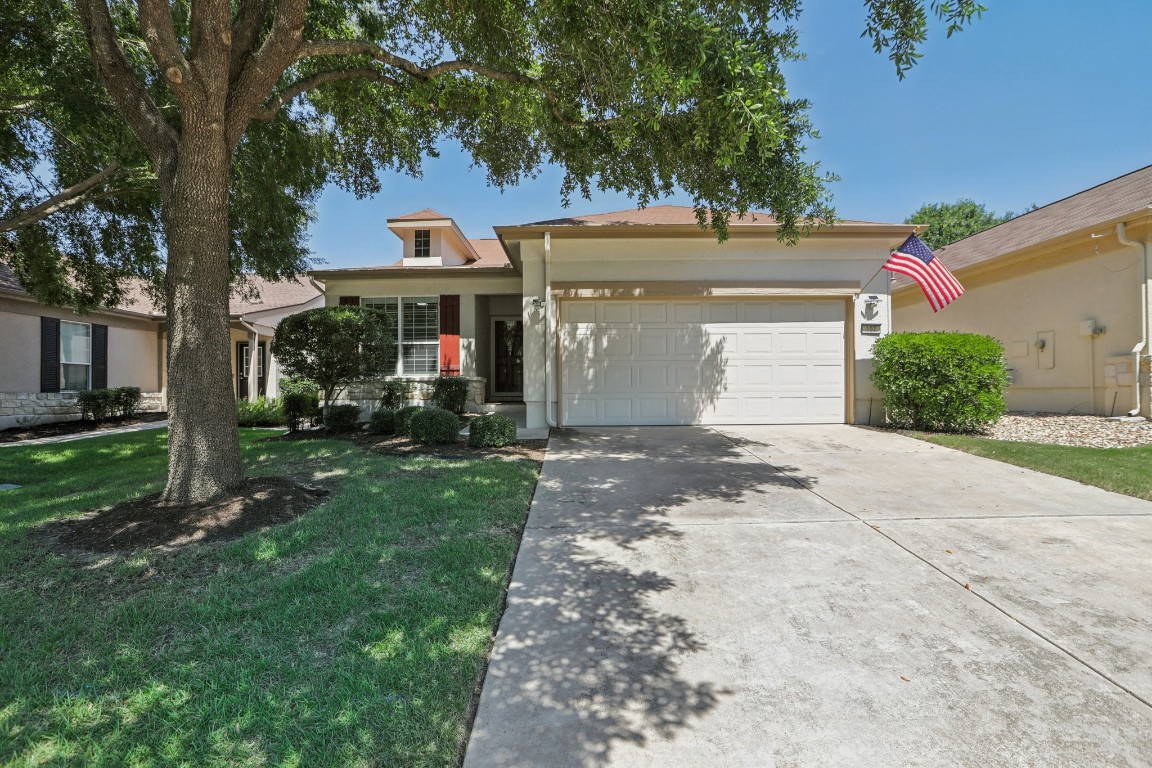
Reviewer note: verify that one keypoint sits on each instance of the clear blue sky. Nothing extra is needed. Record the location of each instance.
(1035, 102)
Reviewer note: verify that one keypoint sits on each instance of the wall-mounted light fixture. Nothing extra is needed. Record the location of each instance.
(1040, 344)
(536, 308)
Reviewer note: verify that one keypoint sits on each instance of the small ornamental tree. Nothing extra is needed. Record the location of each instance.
(333, 346)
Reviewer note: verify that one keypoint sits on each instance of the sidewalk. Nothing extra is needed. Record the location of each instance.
(86, 435)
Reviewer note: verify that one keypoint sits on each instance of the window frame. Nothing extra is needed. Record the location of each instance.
(399, 303)
(60, 361)
(422, 241)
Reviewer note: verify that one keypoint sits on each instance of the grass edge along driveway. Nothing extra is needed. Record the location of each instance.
(353, 635)
(1122, 470)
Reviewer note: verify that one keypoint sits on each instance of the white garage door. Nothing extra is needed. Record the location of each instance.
(702, 362)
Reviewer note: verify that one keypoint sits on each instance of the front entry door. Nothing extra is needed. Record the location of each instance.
(244, 369)
(507, 358)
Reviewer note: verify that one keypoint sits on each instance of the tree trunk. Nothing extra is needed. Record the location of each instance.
(203, 441)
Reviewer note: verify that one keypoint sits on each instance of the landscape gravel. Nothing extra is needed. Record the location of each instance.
(1070, 429)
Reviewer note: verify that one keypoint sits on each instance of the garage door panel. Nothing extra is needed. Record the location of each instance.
(723, 312)
(653, 343)
(701, 362)
(616, 312)
(653, 379)
(652, 312)
(687, 313)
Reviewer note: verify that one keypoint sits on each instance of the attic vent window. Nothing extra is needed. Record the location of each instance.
(423, 243)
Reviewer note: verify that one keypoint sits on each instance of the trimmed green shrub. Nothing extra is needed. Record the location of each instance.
(260, 412)
(96, 404)
(299, 407)
(126, 401)
(404, 419)
(434, 426)
(297, 385)
(394, 393)
(450, 393)
(342, 418)
(941, 382)
(491, 431)
(382, 422)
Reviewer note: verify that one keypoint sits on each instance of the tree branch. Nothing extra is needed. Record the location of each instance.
(125, 87)
(315, 81)
(261, 71)
(246, 28)
(316, 48)
(73, 195)
(160, 36)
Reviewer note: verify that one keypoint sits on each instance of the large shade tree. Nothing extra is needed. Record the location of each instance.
(183, 142)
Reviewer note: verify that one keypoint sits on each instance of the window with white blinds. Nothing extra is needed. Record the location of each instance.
(416, 322)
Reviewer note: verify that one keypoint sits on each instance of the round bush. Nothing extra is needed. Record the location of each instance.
(342, 418)
(394, 393)
(491, 431)
(941, 382)
(382, 422)
(404, 416)
(450, 393)
(434, 426)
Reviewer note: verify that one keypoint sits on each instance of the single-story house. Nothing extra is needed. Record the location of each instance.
(638, 317)
(50, 353)
(1066, 289)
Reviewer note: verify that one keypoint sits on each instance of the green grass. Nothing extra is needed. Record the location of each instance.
(1123, 470)
(352, 636)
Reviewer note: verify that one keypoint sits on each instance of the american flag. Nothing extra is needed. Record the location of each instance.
(915, 259)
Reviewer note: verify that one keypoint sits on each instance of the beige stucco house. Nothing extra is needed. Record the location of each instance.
(1066, 290)
(50, 354)
(638, 317)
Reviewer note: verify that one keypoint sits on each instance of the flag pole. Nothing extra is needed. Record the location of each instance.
(864, 285)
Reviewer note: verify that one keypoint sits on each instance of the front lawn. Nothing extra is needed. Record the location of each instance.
(353, 636)
(1123, 470)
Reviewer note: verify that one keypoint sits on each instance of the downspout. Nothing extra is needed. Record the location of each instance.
(549, 419)
(1121, 235)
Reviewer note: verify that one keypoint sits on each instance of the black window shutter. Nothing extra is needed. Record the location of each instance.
(49, 354)
(99, 356)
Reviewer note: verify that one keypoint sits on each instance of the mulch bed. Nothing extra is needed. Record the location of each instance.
(148, 523)
(61, 428)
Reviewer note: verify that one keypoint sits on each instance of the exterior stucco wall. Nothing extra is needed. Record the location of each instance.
(851, 263)
(1017, 305)
(134, 347)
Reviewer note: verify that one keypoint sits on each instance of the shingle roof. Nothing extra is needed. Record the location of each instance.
(657, 215)
(425, 214)
(1105, 202)
(272, 295)
(491, 253)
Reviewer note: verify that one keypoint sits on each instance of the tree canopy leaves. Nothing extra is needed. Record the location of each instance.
(949, 222)
(636, 96)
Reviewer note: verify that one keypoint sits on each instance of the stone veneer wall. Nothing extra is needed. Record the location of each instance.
(367, 393)
(23, 409)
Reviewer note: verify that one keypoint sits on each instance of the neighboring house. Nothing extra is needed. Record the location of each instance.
(1065, 288)
(50, 354)
(638, 317)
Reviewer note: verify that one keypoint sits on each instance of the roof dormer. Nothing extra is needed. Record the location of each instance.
(432, 239)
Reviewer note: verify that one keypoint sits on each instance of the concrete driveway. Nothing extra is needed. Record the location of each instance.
(818, 596)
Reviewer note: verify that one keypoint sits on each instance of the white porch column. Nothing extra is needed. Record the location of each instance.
(253, 366)
(468, 334)
(535, 349)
